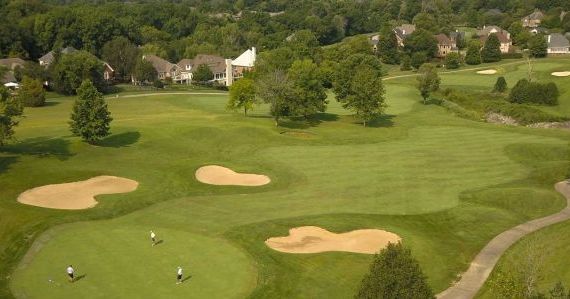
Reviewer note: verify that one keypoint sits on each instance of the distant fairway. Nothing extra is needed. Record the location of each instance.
(444, 184)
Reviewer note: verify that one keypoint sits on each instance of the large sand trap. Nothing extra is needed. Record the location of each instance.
(76, 195)
(487, 72)
(312, 239)
(218, 175)
(561, 74)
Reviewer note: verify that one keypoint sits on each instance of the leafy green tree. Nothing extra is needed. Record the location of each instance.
(418, 59)
(304, 43)
(533, 92)
(426, 21)
(537, 46)
(428, 80)
(309, 95)
(122, 55)
(275, 89)
(144, 72)
(473, 56)
(492, 49)
(406, 64)
(202, 74)
(90, 118)
(500, 85)
(71, 69)
(10, 110)
(388, 46)
(452, 60)
(394, 273)
(32, 70)
(31, 93)
(366, 94)
(421, 41)
(242, 95)
(345, 72)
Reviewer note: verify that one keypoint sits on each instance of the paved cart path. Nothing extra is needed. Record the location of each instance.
(479, 270)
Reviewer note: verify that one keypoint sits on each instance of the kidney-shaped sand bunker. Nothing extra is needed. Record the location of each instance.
(312, 239)
(76, 195)
(218, 175)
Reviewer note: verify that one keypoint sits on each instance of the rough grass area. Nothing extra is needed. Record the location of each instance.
(446, 185)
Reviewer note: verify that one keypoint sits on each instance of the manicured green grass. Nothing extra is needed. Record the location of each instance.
(446, 185)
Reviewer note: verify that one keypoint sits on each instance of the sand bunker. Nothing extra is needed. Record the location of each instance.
(312, 239)
(561, 74)
(76, 195)
(487, 72)
(218, 175)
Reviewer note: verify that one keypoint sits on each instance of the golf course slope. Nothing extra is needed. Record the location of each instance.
(312, 239)
(479, 270)
(219, 175)
(76, 195)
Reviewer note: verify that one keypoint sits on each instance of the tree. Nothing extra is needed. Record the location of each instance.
(500, 85)
(309, 95)
(31, 93)
(10, 109)
(122, 55)
(418, 59)
(492, 49)
(394, 273)
(145, 72)
(406, 64)
(71, 69)
(275, 89)
(533, 92)
(388, 46)
(366, 95)
(345, 72)
(421, 41)
(202, 74)
(473, 56)
(32, 70)
(242, 95)
(428, 80)
(452, 60)
(537, 46)
(90, 118)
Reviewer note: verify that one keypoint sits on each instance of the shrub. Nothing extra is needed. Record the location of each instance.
(511, 55)
(473, 56)
(418, 59)
(158, 84)
(32, 93)
(406, 63)
(452, 60)
(533, 92)
(500, 85)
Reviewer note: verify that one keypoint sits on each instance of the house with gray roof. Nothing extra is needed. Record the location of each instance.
(557, 44)
(10, 64)
(402, 32)
(49, 57)
(533, 20)
(165, 69)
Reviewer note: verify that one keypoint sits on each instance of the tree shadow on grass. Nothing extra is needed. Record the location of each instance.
(186, 278)
(384, 121)
(80, 277)
(40, 147)
(120, 140)
(50, 103)
(5, 163)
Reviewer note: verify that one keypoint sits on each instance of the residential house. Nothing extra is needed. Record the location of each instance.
(402, 32)
(216, 64)
(444, 45)
(374, 40)
(538, 30)
(165, 69)
(457, 36)
(185, 66)
(10, 65)
(533, 20)
(47, 59)
(503, 36)
(243, 63)
(558, 44)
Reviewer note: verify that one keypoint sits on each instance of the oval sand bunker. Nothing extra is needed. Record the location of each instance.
(312, 239)
(76, 195)
(218, 175)
(487, 72)
(561, 74)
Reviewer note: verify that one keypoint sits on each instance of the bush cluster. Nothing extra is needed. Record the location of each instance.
(533, 92)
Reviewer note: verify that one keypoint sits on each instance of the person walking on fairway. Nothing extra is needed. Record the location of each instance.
(70, 273)
(179, 275)
(153, 238)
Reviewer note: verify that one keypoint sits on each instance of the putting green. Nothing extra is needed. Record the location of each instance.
(118, 262)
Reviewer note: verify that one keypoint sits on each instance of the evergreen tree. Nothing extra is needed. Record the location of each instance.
(537, 46)
(500, 85)
(144, 72)
(394, 273)
(452, 60)
(242, 95)
(388, 46)
(406, 64)
(31, 93)
(473, 56)
(202, 73)
(10, 109)
(418, 59)
(90, 118)
(428, 80)
(421, 41)
(492, 49)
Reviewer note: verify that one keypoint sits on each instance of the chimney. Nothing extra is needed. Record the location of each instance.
(229, 72)
(549, 38)
(253, 50)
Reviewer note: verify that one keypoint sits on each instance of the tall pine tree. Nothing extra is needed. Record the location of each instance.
(388, 46)
(492, 50)
(90, 118)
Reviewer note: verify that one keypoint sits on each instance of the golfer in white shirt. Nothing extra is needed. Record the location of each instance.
(70, 273)
(153, 238)
(179, 275)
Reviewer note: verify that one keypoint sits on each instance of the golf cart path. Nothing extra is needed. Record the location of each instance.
(457, 71)
(166, 93)
(474, 278)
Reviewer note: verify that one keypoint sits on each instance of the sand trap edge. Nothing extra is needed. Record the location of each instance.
(223, 176)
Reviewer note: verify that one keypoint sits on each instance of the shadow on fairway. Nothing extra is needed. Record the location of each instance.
(186, 278)
(120, 140)
(41, 147)
(384, 121)
(5, 162)
(51, 103)
(158, 242)
(80, 277)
